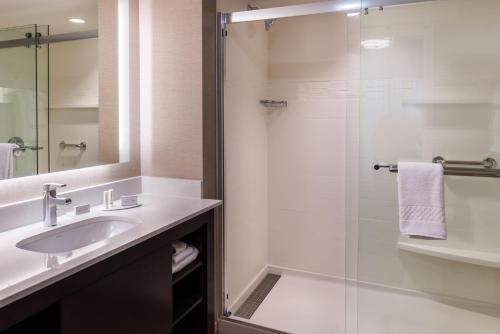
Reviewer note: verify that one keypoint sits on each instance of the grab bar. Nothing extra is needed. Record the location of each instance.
(488, 169)
(82, 146)
(274, 104)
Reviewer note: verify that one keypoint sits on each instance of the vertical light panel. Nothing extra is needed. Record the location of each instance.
(123, 81)
(146, 82)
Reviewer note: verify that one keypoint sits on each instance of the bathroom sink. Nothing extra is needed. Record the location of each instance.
(77, 235)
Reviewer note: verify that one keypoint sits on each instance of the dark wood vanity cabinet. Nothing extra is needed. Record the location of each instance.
(134, 299)
(132, 292)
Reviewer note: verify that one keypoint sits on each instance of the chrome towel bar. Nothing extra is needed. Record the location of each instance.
(456, 167)
(274, 104)
(82, 146)
(24, 148)
(21, 147)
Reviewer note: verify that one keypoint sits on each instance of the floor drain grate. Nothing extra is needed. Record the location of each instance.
(257, 296)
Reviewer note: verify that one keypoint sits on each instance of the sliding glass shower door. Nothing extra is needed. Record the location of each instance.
(24, 97)
(286, 93)
(430, 75)
(316, 95)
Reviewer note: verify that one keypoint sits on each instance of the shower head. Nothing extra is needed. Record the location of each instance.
(267, 23)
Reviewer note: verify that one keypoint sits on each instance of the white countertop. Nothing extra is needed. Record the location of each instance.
(23, 272)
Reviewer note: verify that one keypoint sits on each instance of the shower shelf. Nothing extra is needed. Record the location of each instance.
(481, 258)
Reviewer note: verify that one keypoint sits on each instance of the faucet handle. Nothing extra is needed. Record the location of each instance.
(53, 186)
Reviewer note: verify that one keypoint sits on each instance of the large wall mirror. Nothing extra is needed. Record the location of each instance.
(64, 86)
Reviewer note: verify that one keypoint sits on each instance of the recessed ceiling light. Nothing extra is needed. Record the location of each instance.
(75, 20)
(353, 14)
(376, 44)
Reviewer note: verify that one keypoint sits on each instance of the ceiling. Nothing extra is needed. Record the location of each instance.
(55, 13)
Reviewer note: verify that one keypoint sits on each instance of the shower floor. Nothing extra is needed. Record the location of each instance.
(301, 304)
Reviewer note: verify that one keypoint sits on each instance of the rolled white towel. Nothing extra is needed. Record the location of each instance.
(179, 257)
(178, 246)
(176, 267)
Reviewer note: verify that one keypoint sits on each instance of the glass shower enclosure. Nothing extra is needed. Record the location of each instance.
(24, 97)
(313, 96)
(286, 93)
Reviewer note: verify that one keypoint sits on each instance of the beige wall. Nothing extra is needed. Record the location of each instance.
(30, 187)
(171, 88)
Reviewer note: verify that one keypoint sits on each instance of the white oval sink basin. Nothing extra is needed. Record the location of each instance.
(77, 235)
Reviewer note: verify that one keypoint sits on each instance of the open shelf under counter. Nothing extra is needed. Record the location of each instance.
(480, 258)
(177, 277)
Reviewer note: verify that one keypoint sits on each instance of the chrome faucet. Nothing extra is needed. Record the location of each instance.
(50, 203)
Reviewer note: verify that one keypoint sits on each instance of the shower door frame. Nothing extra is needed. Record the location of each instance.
(225, 324)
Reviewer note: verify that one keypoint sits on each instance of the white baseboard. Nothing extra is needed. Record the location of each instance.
(279, 270)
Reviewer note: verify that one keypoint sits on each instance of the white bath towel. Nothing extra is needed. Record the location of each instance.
(7, 160)
(176, 267)
(421, 199)
(179, 257)
(178, 246)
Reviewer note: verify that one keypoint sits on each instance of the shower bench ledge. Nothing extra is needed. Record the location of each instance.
(481, 258)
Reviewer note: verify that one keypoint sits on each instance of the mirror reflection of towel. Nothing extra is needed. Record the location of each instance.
(6, 160)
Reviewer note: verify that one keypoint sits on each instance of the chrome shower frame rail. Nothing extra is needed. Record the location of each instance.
(456, 167)
(322, 7)
(39, 39)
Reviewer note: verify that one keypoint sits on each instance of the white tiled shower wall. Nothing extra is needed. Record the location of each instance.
(306, 148)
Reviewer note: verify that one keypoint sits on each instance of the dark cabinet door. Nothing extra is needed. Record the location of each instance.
(134, 299)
